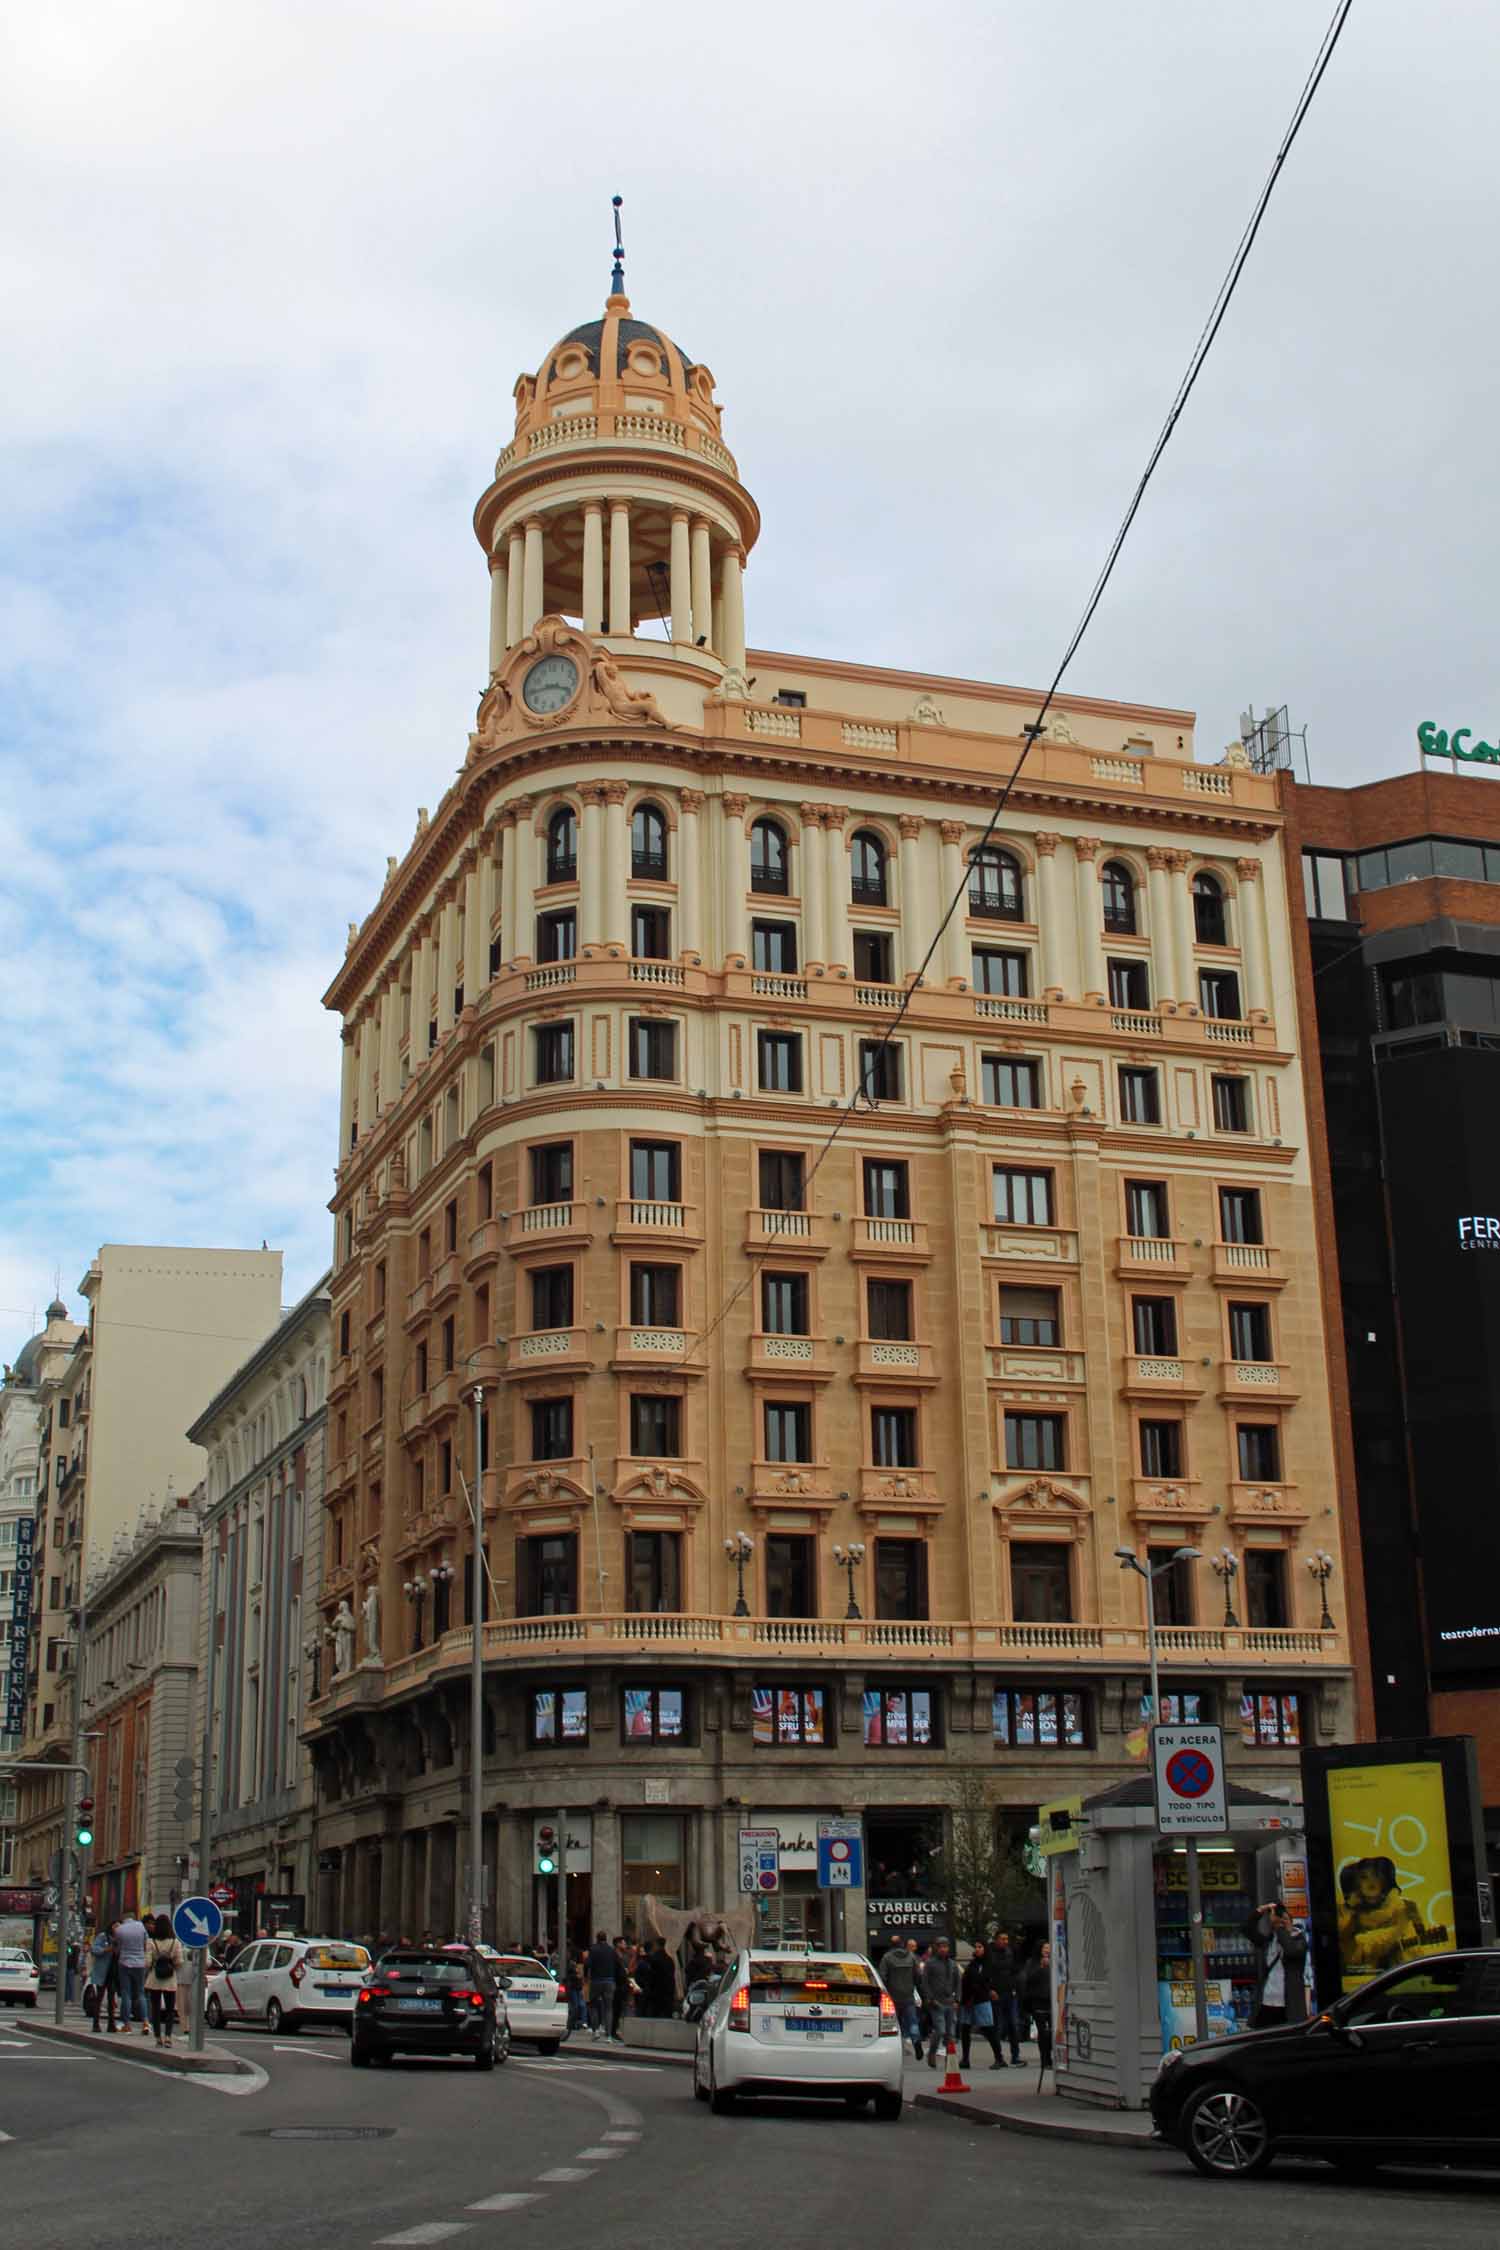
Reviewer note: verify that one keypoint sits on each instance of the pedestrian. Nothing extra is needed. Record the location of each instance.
(164, 1965)
(130, 1948)
(627, 1957)
(940, 1984)
(1281, 1989)
(578, 2012)
(1035, 1995)
(603, 1967)
(1004, 1987)
(976, 2006)
(898, 1973)
(660, 1972)
(104, 1978)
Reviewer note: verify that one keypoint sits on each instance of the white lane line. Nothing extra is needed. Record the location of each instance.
(7, 2136)
(598, 2070)
(310, 2052)
(622, 2136)
(598, 2155)
(436, 2230)
(564, 2172)
(502, 2203)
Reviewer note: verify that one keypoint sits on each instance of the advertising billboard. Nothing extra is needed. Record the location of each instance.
(1395, 1852)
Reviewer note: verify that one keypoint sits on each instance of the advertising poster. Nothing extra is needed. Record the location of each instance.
(1179, 2017)
(1390, 1862)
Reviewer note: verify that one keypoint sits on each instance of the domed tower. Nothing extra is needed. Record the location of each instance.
(617, 503)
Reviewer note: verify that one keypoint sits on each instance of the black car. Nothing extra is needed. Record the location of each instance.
(430, 2000)
(1405, 2070)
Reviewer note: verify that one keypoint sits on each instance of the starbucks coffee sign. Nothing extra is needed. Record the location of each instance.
(1436, 742)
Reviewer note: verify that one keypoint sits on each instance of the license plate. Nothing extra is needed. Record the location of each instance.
(524, 1992)
(337, 1991)
(811, 2023)
(413, 2007)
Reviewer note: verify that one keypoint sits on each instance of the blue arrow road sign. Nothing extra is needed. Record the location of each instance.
(197, 1921)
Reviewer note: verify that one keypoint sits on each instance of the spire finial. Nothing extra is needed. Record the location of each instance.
(617, 278)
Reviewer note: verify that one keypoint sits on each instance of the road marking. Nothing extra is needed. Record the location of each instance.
(502, 2203)
(599, 2069)
(564, 2172)
(598, 2155)
(436, 2230)
(622, 2136)
(310, 2052)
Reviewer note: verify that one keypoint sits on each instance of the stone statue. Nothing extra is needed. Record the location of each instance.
(369, 1610)
(341, 1633)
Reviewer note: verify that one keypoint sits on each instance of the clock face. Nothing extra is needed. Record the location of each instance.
(551, 682)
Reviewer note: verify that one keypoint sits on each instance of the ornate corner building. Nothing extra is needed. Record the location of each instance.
(806, 1428)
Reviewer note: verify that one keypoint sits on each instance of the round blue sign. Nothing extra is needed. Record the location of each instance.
(197, 1921)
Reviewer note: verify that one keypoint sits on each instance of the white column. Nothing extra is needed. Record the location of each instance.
(1159, 907)
(489, 897)
(532, 598)
(390, 1043)
(616, 866)
(1183, 933)
(510, 860)
(526, 842)
(591, 866)
(689, 874)
(703, 600)
(835, 889)
(1047, 967)
(447, 960)
(619, 566)
(367, 1073)
(348, 1091)
(497, 611)
(913, 942)
(736, 880)
(593, 566)
(515, 586)
(1254, 950)
(476, 934)
(716, 630)
(955, 948)
(811, 870)
(1090, 911)
(733, 595)
(681, 578)
(421, 999)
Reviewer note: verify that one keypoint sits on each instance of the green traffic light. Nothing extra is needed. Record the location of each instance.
(85, 1835)
(546, 1865)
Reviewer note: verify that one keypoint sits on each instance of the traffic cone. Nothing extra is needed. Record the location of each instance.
(954, 2083)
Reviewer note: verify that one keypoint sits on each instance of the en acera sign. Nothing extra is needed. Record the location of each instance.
(1435, 742)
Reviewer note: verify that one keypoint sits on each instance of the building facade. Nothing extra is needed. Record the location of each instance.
(807, 1429)
(263, 1517)
(1401, 899)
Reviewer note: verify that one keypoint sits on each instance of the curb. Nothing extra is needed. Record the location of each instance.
(1108, 2136)
(215, 2060)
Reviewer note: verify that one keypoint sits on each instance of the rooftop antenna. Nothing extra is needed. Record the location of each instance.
(617, 278)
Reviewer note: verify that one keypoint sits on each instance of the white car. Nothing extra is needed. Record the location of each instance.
(534, 2000)
(20, 1978)
(285, 1982)
(802, 2024)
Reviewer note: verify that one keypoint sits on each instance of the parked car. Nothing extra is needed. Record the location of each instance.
(534, 2001)
(20, 1978)
(286, 1982)
(430, 2000)
(1407, 2069)
(803, 2024)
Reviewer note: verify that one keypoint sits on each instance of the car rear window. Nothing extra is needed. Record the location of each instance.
(515, 1965)
(337, 1957)
(850, 1984)
(430, 1968)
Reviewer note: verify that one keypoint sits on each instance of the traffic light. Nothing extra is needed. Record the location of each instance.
(84, 1832)
(546, 1850)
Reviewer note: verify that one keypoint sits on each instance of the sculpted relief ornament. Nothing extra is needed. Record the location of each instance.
(557, 677)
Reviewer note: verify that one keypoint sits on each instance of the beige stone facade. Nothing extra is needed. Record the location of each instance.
(924, 1359)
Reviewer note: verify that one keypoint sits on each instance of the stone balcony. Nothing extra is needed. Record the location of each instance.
(548, 1351)
(803, 1234)
(548, 1226)
(1258, 1263)
(890, 1360)
(779, 1358)
(642, 1222)
(904, 1240)
(1147, 1257)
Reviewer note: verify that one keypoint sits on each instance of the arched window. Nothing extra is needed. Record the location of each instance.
(562, 846)
(648, 843)
(1118, 885)
(995, 886)
(867, 883)
(768, 858)
(1209, 922)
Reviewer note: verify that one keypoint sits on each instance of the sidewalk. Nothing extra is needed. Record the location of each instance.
(1009, 2098)
(129, 2046)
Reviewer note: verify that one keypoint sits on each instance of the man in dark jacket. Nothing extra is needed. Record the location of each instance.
(602, 1969)
(940, 1991)
(976, 2006)
(1281, 1992)
(1003, 1984)
(1035, 1996)
(898, 1973)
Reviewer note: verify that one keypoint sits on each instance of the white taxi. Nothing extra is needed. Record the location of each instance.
(285, 1982)
(534, 2000)
(20, 1978)
(814, 2025)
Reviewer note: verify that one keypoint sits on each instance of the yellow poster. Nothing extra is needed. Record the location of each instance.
(1390, 1865)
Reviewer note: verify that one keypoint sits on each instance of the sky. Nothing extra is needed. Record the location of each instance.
(272, 272)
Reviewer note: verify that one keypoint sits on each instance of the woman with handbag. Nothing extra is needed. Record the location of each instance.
(102, 1990)
(164, 1964)
(976, 2007)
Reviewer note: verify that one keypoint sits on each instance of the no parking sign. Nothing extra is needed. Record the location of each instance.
(1191, 1798)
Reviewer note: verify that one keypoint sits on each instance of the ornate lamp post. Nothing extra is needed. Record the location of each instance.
(739, 1549)
(849, 1558)
(1321, 1566)
(1225, 1565)
(415, 1590)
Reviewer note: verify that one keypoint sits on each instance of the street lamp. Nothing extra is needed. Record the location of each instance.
(1225, 1565)
(1321, 1566)
(1129, 1560)
(739, 1549)
(849, 1558)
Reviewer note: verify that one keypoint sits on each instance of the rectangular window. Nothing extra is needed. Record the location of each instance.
(1239, 1215)
(880, 1070)
(655, 1714)
(552, 1172)
(1265, 1589)
(1171, 1587)
(1146, 1209)
(343, 1352)
(551, 1429)
(653, 1048)
(873, 957)
(1187, 1710)
(997, 970)
(1041, 1582)
(1153, 1323)
(1161, 1449)
(1021, 1199)
(773, 948)
(901, 1580)
(656, 1296)
(450, 1226)
(1129, 985)
(1029, 1316)
(1035, 1441)
(1271, 1722)
(1040, 1718)
(898, 1718)
(1259, 1446)
(552, 1047)
(789, 1575)
(1231, 1105)
(788, 1718)
(560, 1715)
(779, 1061)
(1012, 1085)
(557, 936)
(782, 1179)
(1219, 993)
(547, 1575)
(651, 933)
(1249, 1331)
(1140, 1096)
(484, 1193)
(889, 1309)
(887, 1195)
(656, 1171)
(655, 1427)
(788, 1430)
(1323, 889)
(893, 1437)
(653, 1571)
(449, 1335)
(552, 1297)
(783, 1304)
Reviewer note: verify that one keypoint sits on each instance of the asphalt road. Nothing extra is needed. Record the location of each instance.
(606, 2154)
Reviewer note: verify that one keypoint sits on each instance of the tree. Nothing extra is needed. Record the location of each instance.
(986, 1881)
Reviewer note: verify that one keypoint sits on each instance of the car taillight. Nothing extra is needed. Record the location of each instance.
(739, 2010)
(889, 2022)
(374, 1992)
(299, 1971)
(475, 1999)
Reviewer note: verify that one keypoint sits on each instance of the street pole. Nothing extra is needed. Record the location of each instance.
(562, 1898)
(476, 1683)
(206, 1793)
(1131, 1561)
(1195, 1940)
(70, 1819)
